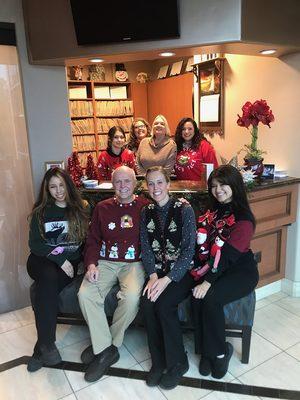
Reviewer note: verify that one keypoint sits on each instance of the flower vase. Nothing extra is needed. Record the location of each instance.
(254, 165)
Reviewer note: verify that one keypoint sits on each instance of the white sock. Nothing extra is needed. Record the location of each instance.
(221, 356)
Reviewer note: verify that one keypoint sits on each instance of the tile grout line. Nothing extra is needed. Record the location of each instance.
(291, 312)
(258, 365)
(66, 376)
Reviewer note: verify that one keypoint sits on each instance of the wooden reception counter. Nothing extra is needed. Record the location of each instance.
(274, 204)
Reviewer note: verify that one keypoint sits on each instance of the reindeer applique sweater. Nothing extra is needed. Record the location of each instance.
(53, 243)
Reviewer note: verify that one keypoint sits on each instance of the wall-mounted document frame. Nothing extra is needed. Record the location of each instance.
(176, 68)
(210, 80)
(163, 71)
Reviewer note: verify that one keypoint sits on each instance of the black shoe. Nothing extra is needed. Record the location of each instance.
(43, 355)
(34, 364)
(101, 363)
(154, 376)
(87, 355)
(205, 366)
(173, 376)
(219, 366)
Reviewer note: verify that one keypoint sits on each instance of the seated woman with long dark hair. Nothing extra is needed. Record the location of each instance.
(115, 155)
(228, 270)
(58, 226)
(168, 244)
(192, 151)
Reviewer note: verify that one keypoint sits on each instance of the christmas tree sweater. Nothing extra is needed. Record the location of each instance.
(181, 257)
(108, 162)
(114, 231)
(223, 242)
(55, 245)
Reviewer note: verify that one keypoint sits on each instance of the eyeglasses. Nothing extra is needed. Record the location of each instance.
(139, 126)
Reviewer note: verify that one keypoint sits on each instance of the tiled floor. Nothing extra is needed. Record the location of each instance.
(274, 360)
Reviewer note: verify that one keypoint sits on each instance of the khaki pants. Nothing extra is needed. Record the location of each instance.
(130, 277)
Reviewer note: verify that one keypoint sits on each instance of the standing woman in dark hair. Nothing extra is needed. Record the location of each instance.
(232, 273)
(58, 226)
(139, 129)
(115, 155)
(192, 150)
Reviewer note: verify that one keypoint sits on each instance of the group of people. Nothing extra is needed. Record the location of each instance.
(147, 147)
(158, 252)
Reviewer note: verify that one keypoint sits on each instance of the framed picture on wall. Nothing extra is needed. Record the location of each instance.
(210, 78)
(176, 68)
(162, 73)
(54, 164)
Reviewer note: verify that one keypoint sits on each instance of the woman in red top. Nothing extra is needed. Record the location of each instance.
(115, 155)
(192, 151)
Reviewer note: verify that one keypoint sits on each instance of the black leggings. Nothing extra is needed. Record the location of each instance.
(50, 280)
(162, 324)
(209, 317)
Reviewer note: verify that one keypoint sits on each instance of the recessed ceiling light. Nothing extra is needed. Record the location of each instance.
(167, 54)
(266, 52)
(96, 60)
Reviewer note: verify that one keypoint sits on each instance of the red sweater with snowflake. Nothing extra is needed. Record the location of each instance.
(114, 231)
(108, 162)
(188, 164)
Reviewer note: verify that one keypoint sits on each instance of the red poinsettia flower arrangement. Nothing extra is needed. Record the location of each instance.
(253, 114)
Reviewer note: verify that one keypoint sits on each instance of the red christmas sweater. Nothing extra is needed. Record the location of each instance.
(188, 164)
(108, 161)
(114, 232)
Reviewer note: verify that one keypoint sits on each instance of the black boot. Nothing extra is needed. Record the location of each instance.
(101, 363)
(87, 355)
(43, 355)
(219, 366)
(154, 376)
(205, 366)
(173, 375)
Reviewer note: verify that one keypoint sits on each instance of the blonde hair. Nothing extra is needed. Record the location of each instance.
(160, 169)
(168, 132)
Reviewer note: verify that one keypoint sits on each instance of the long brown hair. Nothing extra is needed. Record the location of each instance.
(76, 210)
(110, 136)
(198, 136)
(133, 142)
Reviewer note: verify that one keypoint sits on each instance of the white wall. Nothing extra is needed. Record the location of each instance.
(16, 186)
(45, 98)
(249, 78)
(49, 137)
